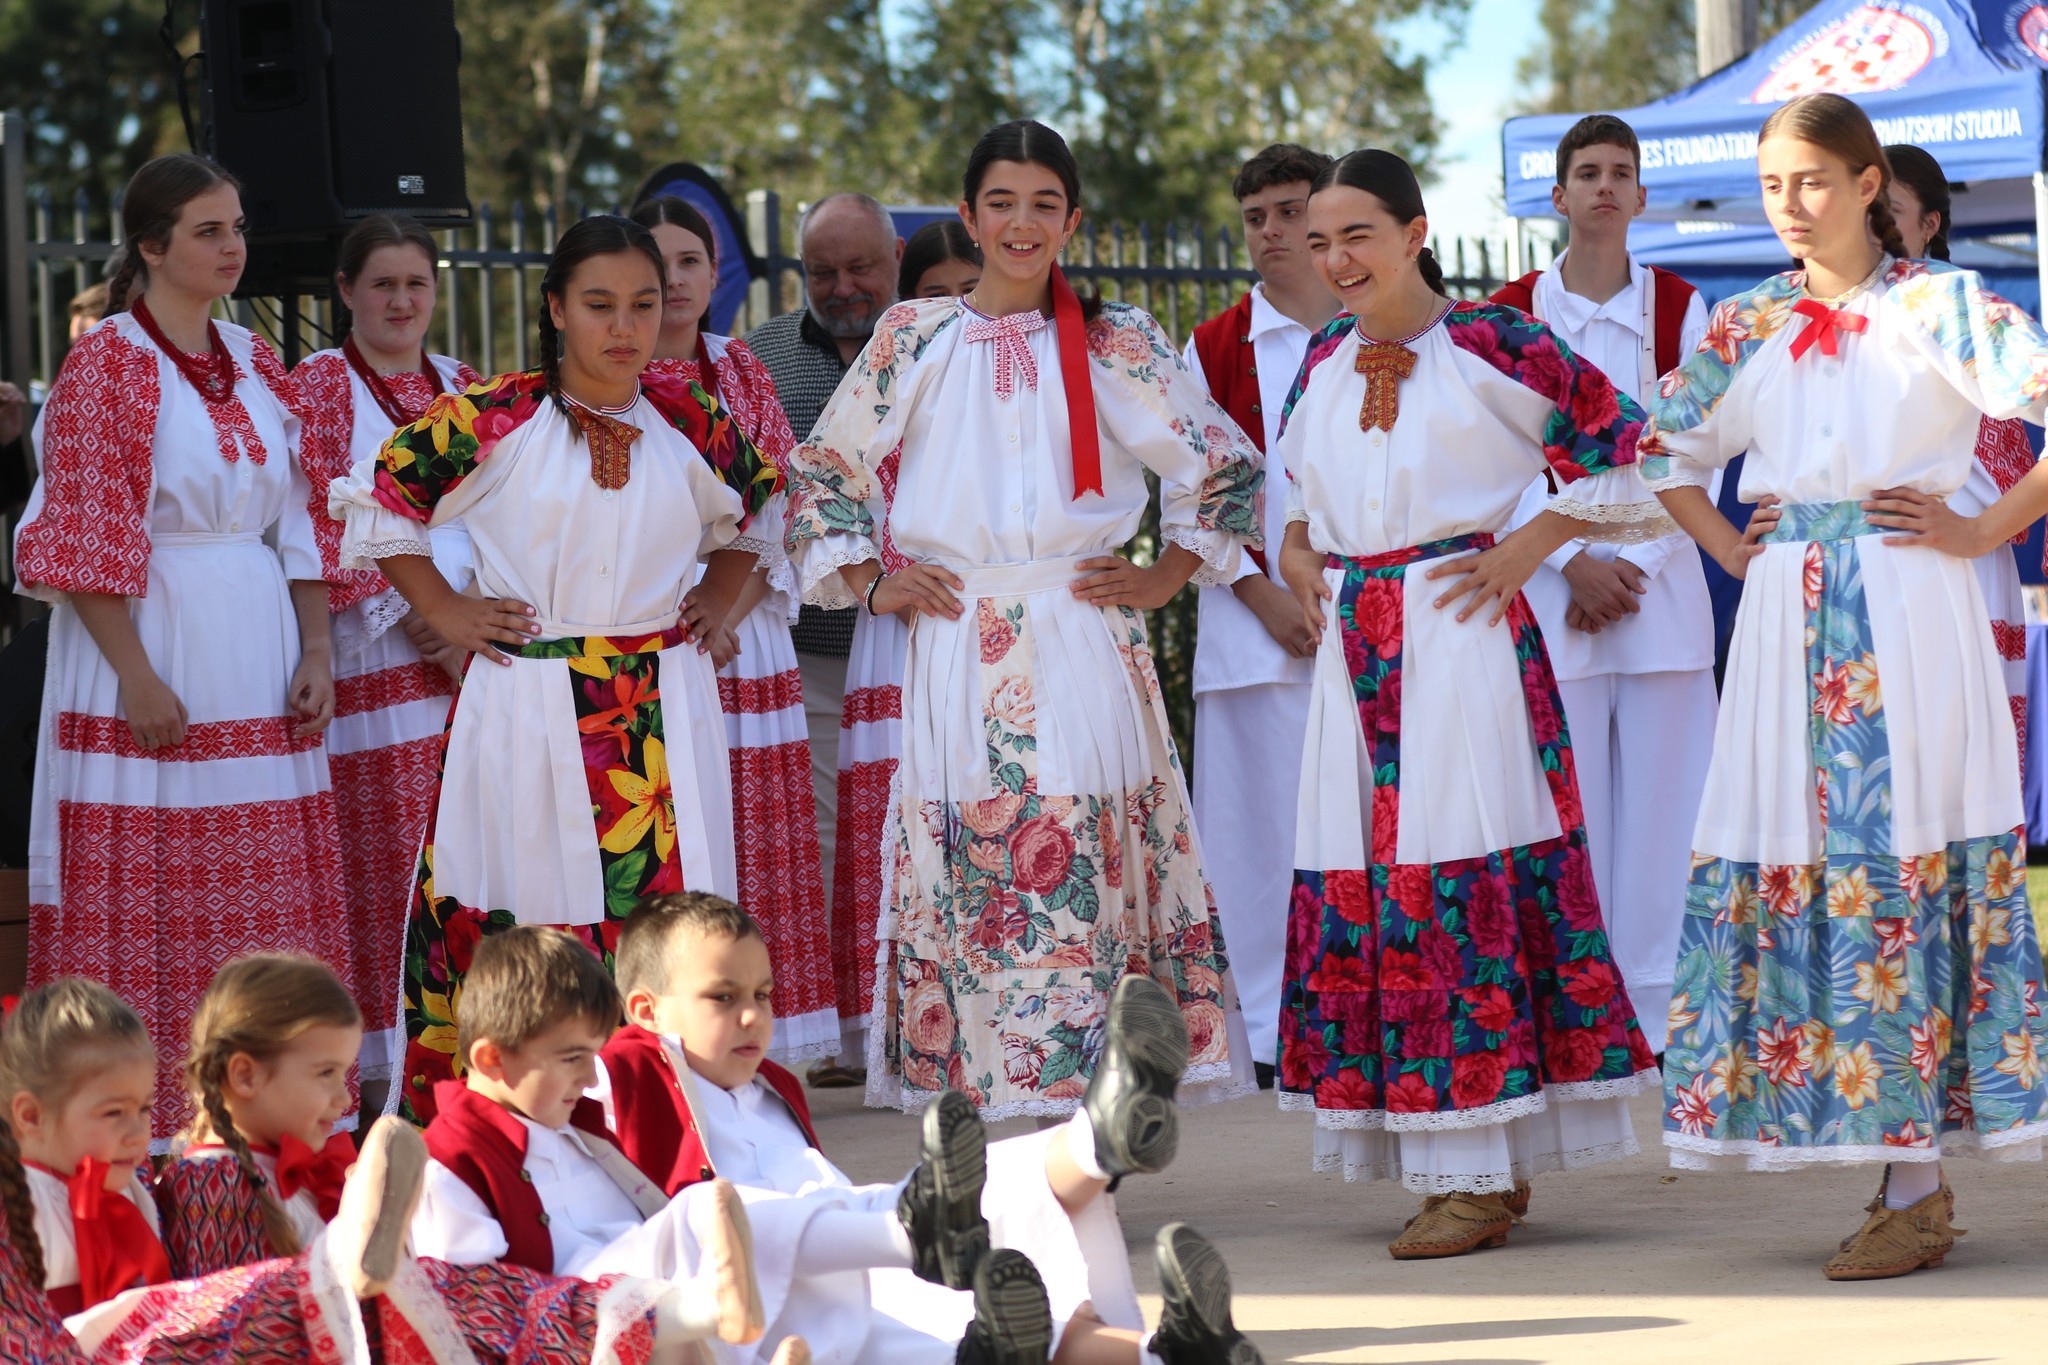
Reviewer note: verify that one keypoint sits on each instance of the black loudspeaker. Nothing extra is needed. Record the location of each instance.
(328, 111)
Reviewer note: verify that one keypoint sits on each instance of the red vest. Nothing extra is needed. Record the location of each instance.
(1673, 295)
(485, 1146)
(1229, 362)
(657, 1132)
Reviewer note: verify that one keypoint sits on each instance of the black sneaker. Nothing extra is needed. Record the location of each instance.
(1194, 1323)
(1012, 1319)
(941, 1206)
(1130, 1101)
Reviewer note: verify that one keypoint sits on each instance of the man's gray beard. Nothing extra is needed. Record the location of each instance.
(850, 329)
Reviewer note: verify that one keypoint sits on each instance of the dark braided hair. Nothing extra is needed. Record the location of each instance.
(18, 1207)
(1389, 179)
(1838, 126)
(603, 234)
(256, 1006)
(1916, 169)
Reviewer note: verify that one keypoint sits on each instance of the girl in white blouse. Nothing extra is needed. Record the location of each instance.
(1858, 978)
(1450, 1010)
(1042, 843)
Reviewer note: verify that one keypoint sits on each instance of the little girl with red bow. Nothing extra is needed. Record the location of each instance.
(77, 1083)
(273, 1042)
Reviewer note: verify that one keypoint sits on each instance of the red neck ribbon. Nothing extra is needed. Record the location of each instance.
(117, 1249)
(322, 1171)
(214, 379)
(1824, 325)
(400, 415)
(1079, 385)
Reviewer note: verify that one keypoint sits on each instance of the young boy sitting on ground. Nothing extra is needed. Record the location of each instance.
(693, 1100)
(522, 1170)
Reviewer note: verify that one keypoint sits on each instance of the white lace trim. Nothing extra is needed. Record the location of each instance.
(1297, 514)
(1213, 548)
(1626, 523)
(1693, 1153)
(1494, 1182)
(365, 554)
(1682, 475)
(1489, 1115)
(356, 630)
(754, 545)
(821, 564)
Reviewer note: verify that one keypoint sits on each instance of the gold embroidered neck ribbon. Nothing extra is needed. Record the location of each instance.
(611, 446)
(1384, 364)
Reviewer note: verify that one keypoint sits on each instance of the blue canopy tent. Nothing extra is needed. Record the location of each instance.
(1962, 79)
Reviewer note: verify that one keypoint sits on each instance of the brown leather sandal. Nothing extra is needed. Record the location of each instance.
(1453, 1224)
(1894, 1242)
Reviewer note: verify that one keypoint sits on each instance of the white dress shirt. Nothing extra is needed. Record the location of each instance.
(586, 1210)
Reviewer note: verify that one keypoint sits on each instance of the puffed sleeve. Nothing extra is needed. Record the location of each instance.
(294, 536)
(1692, 430)
(835, 486)
(453, 1224)
(390, 499)
(326, 403)
(1211, 477)
(1586, 429)
(758, 409)
(86, 526)
(1287, 451)
(1985, 346)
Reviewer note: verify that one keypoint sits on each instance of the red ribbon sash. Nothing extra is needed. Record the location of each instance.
(1080, 386)
(300, 1167)
(117, 1248)
(1824, 325)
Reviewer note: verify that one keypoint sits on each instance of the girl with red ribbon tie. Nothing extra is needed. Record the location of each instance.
(761, 691)
(1858, 977)
(182, 805)
(393, 675)
(1450, 1009)
(1042, 842)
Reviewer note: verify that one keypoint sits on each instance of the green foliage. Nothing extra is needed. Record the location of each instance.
(1616, 54)
(96, 86)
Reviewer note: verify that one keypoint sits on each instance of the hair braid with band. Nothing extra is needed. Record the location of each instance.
(19, 1208)
(208, 1070)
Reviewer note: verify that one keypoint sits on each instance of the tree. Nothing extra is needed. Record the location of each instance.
(1616, 54)
(97, 88)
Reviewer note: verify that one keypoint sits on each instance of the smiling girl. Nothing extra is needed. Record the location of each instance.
(1450, 1010)
(1042, 843)
(182, 807)
(775, 824)
(1857, 974)
(393, 675)
(585, 762)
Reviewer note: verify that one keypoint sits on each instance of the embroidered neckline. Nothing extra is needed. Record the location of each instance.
(1413, 336)
(1885, 261)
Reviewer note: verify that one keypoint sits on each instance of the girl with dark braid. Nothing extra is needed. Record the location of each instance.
(585, 764)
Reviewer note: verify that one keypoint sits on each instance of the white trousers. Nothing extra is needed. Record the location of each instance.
(1641, 743)
(1248, 743)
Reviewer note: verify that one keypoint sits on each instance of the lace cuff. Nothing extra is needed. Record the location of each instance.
(817, 564)
(1661, 473)
(364, 554)
(361, 625)
(1614, 507)
(1220, 553)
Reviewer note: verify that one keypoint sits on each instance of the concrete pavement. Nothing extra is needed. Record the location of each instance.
(1628, 1262)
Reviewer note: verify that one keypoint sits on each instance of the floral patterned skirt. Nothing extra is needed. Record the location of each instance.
(630, 720)
(1043, 850)
(1460, 993)
(1874, 999)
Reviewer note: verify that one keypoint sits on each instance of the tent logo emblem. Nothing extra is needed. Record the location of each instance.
(2032, 27)
(1870, 48)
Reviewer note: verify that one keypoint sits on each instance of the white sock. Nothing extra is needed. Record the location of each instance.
(838, 1240)
(1081, 1146)
(1911, 1182)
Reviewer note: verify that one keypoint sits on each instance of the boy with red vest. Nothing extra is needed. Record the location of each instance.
(522, 1170)
(1252, 650)
(863, 1272)
(1630, 628)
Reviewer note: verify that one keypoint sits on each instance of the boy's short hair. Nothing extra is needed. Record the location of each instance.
(1283, 163)
(1596, 130)
(643, 958)
(525, 980)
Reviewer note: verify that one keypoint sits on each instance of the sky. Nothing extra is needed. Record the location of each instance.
(1473, 86)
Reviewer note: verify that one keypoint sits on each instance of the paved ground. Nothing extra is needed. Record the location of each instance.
(1629, 1262)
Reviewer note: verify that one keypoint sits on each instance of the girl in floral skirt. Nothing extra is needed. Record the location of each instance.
(1042, 843)
(1858, 980)
(585, 762)
(1450, 1010)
